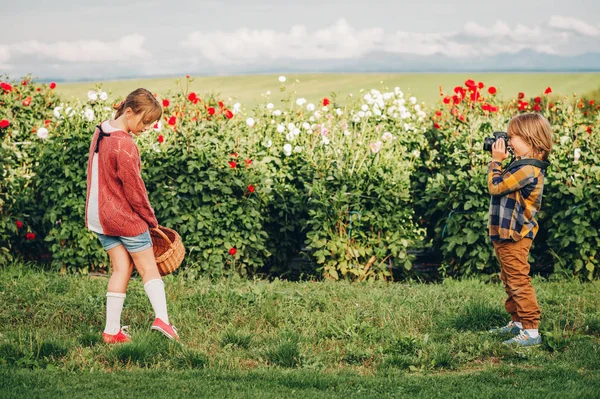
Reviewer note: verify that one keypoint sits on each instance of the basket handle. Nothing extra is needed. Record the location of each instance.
(162, 234)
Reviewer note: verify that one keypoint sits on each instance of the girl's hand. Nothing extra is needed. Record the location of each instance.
(499, 152)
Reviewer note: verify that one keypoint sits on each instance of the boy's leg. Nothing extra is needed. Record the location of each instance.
(514, 259)
(510, 305)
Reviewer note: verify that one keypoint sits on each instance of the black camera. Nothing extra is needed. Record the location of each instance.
(489, 141)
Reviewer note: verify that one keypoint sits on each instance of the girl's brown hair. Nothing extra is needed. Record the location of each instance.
(141, 100)
(535, 130)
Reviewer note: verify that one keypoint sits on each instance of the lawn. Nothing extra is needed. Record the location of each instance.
(249, 89)
(257, 338)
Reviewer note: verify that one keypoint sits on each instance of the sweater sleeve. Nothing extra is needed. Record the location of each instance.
(501, 184)
(129, 172)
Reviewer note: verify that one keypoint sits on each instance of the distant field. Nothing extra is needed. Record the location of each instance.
(248, 89)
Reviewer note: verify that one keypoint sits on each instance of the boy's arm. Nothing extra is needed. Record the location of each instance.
(501, 184)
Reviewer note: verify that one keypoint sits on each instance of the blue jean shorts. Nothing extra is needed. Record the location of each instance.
(132, 244)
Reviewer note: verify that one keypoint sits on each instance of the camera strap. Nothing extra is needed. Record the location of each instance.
(527, 161)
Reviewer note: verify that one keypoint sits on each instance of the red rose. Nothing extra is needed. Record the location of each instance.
(251, 188)
(52, 85)
(232, 164)
(248, 162)
(228, 114)
(454, 111)
(438, 113)
(493, 108)
(6, 87)
(592, 102)
(221, 104)
(172, 121)
(211, 111)
(537, 108)
(523, 105)
(456, 99)
(326, 102)
(26, 102)
(166, 102)
(461, 118)
(30, 236)
(492, 90)
(521, 95)
(19, 224)
(548, 90)
(589, 129)
(446, 100)
(24, 83)
(475, 96)
(192, 97)
(470, 83)
(435, 125)
(161, 138)
(537, 100)
(4, 124)
(38, 89)
(485, 107)
(233, 154)
(47, 122)
(232, 251)
(480, 85)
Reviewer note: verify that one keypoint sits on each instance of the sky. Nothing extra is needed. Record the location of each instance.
(88, 40)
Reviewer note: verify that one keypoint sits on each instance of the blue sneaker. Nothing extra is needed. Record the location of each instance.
(510, 328)
(524, 339)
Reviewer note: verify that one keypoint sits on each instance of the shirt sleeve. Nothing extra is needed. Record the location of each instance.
(129, 172)
(501, 184)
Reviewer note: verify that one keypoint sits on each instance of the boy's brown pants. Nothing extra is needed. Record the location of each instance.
(514, 265)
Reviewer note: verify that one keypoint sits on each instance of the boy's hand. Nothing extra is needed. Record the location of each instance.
(499, 152)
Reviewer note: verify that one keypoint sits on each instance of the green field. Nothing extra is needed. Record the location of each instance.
(249, 89)
(266, 339)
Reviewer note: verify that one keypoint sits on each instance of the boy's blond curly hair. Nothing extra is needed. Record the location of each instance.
(535, 130)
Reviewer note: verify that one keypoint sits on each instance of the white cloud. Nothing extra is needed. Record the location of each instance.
(4, 54)
(342, 41)
(574, 25)
(127, 47)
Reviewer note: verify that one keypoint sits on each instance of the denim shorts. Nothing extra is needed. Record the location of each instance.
(132, 244)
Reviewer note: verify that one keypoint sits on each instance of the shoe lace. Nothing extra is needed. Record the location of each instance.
(125, 330)
(521, 337)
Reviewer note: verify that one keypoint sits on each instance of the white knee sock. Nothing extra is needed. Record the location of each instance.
(533, 333)
(114, 306)
(155, 289)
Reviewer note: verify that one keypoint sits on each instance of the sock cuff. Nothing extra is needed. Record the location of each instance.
(154, 281)
(115, 295)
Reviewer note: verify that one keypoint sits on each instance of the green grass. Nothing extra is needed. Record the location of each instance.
(300, 339)
(249, 89)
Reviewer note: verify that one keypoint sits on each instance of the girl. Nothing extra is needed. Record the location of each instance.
(119, 212)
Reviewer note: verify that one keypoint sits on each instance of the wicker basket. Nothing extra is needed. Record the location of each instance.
(168, 249)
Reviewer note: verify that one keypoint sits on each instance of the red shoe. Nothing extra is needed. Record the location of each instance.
(167, 329)
(118, 338)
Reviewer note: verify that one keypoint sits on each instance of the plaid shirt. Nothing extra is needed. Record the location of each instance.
(516, 198)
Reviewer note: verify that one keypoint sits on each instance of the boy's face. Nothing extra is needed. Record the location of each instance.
(519, 146)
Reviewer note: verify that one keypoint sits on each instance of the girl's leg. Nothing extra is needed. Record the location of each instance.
(122, 266)
(145, 263)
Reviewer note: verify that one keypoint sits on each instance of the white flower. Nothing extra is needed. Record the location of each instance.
(365, 107)
(296, 131)
(236, 108)
(290, 136)
(103, 95)
(309, 131)
(377, 111)
(92, 95)
(301, 101)
(297, 149)
(250, 122)
(58, 112)
(89, 114)
(347, 132)
(387, 136)
(339, 112)
(287, 149)
(356, 118)
(376, 147)
(291, 126)
(317, 114)
(306, 126)
(325, 140)
(282, 79)
(70, 112)
(268, 143)
(387, 96)
(277, 112)
(361, 114)
(270, 106)
(156, 147)
(413, 100)
(310, 107)
(158, 126)
(564, 140)
(280, 128)
(416, 153)
(576, 155)
(42, 133)
(312, 119)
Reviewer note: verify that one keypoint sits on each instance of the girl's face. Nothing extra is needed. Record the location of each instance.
(519, 146)
(135, 123)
